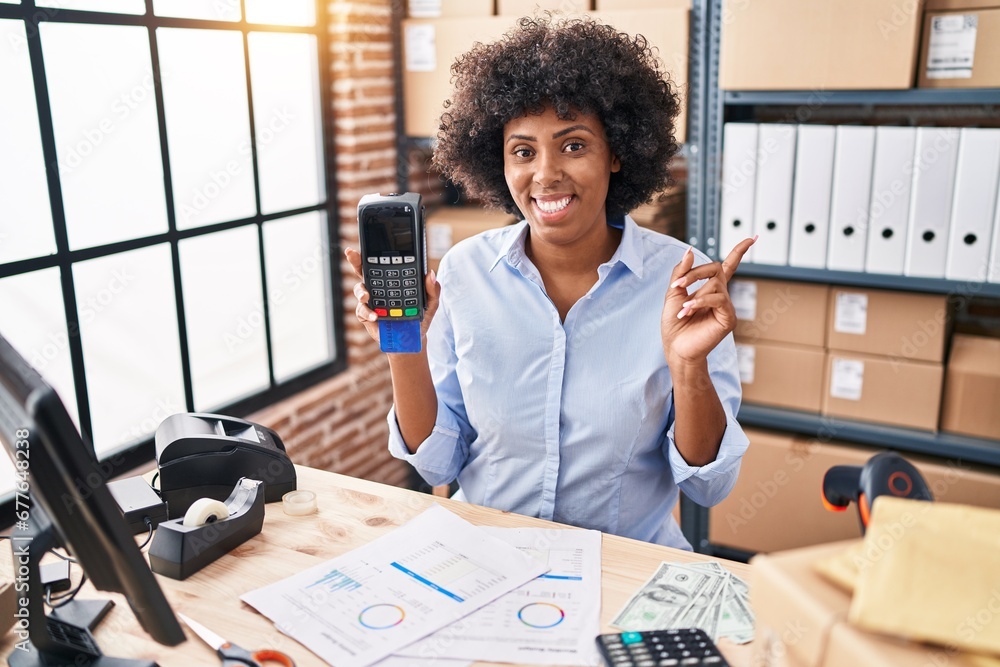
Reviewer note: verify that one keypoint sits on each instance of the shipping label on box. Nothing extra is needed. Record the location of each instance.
(951, 48)
(961, 49)
(743, 294)
(851, 315)
(847, 379)
(421, 50)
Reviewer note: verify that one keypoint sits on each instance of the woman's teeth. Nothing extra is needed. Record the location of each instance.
(553, 205)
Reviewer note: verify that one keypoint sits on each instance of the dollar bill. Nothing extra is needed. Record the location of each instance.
(736, 620)
(664, 598)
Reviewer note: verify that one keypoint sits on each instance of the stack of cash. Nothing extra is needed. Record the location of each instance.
(691, 595)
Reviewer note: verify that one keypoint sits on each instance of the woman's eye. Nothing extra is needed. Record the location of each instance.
(574, 146)
(522, 152)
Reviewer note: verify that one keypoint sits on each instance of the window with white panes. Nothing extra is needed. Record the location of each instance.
(166, 229)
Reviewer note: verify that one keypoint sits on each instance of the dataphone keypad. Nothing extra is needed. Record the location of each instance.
(393, 286)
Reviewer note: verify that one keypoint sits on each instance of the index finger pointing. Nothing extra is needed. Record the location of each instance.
(732, 261)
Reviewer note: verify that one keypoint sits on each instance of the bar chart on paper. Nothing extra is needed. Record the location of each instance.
(450, 573)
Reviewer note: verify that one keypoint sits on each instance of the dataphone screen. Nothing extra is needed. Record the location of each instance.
(389, 230)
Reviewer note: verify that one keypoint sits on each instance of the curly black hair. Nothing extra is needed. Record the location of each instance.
(576, 65)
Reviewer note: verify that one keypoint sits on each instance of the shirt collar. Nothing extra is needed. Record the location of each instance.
(629, 251)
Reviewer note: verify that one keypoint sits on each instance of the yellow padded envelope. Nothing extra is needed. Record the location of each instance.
(931, 571)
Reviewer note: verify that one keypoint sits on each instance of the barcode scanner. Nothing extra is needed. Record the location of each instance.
(886, 473)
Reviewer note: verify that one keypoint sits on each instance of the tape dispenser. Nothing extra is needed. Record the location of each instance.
(209, 529)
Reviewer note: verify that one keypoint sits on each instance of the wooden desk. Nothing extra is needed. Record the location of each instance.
(351, 513)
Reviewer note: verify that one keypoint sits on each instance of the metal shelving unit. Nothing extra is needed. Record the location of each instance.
(720, 104)
(856, 279)
(910, 97)
(957, 447)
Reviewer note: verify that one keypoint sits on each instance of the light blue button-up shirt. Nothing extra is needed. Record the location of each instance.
(569, 421)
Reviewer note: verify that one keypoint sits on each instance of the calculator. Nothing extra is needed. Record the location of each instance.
(684, 647)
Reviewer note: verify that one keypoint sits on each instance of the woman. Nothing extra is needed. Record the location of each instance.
(567, 372)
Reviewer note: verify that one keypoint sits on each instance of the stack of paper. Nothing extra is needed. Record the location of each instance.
(464, 592)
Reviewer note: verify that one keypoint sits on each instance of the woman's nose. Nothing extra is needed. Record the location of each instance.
(547, 170)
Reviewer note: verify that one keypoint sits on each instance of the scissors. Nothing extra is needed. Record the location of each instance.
(233, 655)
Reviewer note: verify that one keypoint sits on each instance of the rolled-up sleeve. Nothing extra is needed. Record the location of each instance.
(443, 454)
(709, 484)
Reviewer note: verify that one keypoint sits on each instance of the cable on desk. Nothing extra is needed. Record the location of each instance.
(149, 536)
(63, 600)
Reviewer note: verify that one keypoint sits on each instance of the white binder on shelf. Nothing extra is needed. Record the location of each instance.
(739, 181)
(935, 159)
(811, 196)
(994, 266)
(849, 200)
(892, 175)
(773, 196)
(974, 205)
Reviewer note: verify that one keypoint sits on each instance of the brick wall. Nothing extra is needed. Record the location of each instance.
(340, 425)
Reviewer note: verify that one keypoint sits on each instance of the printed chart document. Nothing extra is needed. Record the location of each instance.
(551, 620)
(367, 604)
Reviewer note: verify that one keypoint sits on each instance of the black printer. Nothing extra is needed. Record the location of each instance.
(203, 455)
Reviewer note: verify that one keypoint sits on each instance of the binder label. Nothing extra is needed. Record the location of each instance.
(952, 46)
(847, 379)
(743, 294)
(851, 313)
(746, 359)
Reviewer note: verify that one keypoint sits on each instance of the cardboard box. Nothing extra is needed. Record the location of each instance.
(780, 311)
(531, 7)
(815, 45)
(801, 620)
(450, 224)
(900, 325)
(780, 375)
(955, 53)
(614, 5)
(667, 31)
(775, 504)
(971, 404)
(432, 9)
(883, 390)
(430, 46)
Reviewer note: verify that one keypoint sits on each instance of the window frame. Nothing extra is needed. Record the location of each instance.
(137, 454)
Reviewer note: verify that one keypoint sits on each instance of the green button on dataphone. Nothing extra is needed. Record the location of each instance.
(410, 312)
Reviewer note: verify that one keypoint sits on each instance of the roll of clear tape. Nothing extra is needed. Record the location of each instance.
(204, 511)
(297, 503)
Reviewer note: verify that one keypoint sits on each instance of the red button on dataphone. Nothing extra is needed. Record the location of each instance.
(381, 312)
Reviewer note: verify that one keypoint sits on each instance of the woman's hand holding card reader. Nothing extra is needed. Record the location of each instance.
(394, 265)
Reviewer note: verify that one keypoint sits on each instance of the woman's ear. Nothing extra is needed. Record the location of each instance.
(616, 164)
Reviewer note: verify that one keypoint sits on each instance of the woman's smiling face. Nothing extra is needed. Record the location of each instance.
(558, 172)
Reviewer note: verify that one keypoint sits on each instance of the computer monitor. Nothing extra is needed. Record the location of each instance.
(70, 507)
